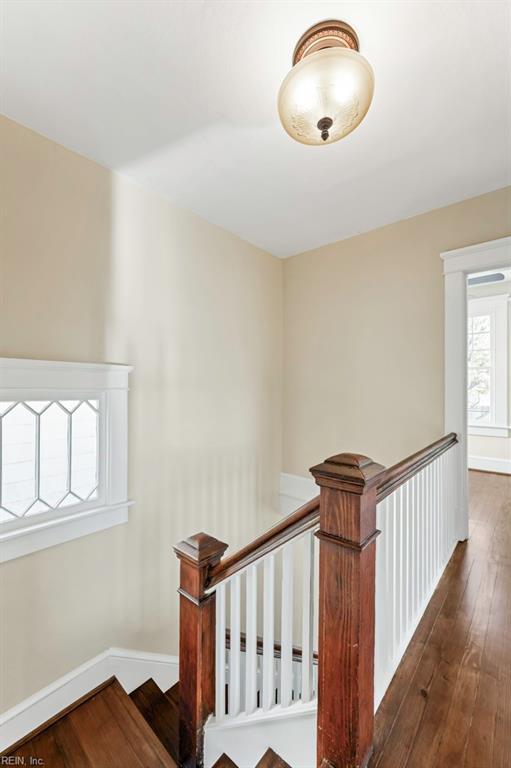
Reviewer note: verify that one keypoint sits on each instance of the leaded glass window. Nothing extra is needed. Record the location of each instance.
(49, 455)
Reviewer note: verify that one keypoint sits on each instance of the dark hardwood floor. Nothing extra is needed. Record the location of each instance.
(449, 705)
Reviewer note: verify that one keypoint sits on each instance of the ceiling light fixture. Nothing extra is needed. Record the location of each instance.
(329, 89)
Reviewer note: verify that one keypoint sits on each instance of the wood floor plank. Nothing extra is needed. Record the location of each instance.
(458, 721)
(502, 735)
(479, 748)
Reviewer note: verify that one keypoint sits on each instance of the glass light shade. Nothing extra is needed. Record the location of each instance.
(334, 83)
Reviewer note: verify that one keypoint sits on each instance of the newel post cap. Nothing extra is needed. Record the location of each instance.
(352, 472)
(200, 549)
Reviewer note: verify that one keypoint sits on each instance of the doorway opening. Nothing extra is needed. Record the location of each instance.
(488, 371)
(476, 408)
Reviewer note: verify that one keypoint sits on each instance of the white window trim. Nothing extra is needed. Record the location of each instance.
(497, 307)
(457, 265)
(22, 379)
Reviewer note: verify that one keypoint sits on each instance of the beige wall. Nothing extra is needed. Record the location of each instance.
(95, 268)
(493, 447)
(363, 335)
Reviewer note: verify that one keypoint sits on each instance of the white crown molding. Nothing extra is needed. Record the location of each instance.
(130, 667)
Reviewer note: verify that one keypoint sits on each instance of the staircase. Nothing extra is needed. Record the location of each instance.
(282, 662)
(107, 728)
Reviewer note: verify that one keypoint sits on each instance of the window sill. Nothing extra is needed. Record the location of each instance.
(488, 431)
(41, 535)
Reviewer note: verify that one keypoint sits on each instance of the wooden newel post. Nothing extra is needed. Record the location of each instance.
(347, 534)
(196, 644)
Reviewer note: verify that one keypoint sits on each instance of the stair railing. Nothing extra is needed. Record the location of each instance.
(232, 671)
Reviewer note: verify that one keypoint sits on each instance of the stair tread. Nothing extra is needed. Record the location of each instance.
(173, 693)
(161, 711)
(270, 759)
(103, 729)
(224, 761)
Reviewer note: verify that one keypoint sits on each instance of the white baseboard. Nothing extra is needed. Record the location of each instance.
(130, 667)
(295, 491)
(503, 466)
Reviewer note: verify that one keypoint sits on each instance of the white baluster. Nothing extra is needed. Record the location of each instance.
(406, 553)
(388, 523)
(268, 632)
(251, 641)
(422, 536)
(441, 475)
(433, 522)
(307, 616)
(427, 528)
(436, 518)
(235, 656)
(398, 521)
(438, 521)
(413, 560)
(220, 653)
(381, 599)
(286, 664)
(394, 567)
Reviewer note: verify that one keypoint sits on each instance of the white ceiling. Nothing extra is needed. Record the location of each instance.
(181, 96)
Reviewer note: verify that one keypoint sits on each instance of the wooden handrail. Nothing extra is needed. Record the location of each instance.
(302, 520)
(307, 516)
(398, 474)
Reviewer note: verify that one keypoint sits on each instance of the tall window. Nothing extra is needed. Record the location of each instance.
(487, 345)
(63, 452)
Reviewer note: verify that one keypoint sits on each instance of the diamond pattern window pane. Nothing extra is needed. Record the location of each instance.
(84, 448)
(54, 456)
(49, 454)
(18, 460)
